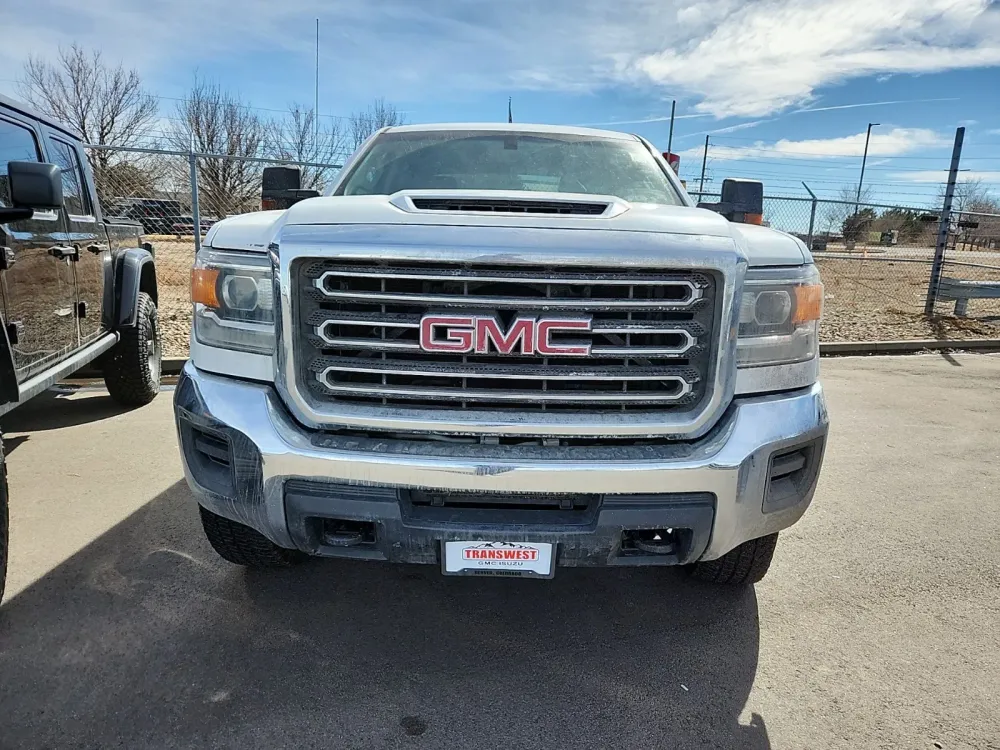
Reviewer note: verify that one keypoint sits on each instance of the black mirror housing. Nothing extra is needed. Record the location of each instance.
(35, 185)
(745, 196)
(281, 188)
(280, 178)
(742, 201)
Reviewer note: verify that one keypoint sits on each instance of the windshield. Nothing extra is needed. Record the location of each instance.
(492, 160)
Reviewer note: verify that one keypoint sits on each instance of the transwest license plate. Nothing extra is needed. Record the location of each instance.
(499, 558)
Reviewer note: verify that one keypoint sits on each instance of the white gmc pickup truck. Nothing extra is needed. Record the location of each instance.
(501, 349)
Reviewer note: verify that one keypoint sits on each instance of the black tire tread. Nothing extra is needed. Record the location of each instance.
(745, 565)
(126, 371)
(4, 520)
(241, 545)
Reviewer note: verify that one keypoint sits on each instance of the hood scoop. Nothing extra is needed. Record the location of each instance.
(514, 202)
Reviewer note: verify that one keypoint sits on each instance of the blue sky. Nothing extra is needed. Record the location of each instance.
(781, 86)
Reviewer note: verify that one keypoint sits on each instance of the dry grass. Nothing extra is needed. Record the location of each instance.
(867, 299)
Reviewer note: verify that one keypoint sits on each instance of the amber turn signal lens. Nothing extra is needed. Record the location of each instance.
(203, 286)
(757, 219)
(808, 303)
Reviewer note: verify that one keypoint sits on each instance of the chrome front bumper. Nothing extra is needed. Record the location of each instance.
(268, 448)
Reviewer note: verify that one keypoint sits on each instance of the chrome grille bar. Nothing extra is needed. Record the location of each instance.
(507, 303)
(536, 397)
(499, 372)
(403, 320)
(381, 345)
(461, 275)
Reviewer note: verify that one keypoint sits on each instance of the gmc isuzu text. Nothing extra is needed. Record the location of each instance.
(502, 349)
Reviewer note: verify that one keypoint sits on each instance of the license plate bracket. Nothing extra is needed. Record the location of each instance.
(498, 558)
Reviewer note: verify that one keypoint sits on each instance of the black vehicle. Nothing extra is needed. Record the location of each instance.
(157, 216)
(75, 289)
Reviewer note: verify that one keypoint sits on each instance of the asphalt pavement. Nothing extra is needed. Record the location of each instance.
(878, 626)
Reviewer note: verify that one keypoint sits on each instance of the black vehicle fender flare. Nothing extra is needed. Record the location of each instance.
(133, 271)
(9, 392)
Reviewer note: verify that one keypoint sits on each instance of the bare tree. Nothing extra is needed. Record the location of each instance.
(971, 195)
(296, 137)
(379, 114)
(214, 121)
(837, 211)
(107, 105)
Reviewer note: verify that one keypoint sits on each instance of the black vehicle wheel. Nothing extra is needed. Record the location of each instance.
(4, 520)
(745, 565)
(241, 545)
(132, 369)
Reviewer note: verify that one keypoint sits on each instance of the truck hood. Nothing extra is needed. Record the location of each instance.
(254, 232)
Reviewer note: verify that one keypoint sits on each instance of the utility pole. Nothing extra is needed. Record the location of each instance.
(857, 199)
(316, 97)
(510, 113)
(704, 162)
(670, 138)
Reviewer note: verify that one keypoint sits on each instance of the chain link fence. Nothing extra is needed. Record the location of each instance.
(875, 260)
(164, 191)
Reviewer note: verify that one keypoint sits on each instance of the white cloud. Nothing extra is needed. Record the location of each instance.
(941, 175)
(892, 143)
(726, 57)
(769, 55)
(856, 105)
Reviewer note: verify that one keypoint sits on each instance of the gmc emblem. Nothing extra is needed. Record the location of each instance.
(462, 334)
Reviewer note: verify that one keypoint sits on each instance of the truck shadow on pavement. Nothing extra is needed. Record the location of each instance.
(145, 638)
(55, 409)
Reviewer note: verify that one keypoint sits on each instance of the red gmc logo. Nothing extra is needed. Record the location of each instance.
(462, 334)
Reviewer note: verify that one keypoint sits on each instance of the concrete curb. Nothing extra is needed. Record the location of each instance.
(845, 348)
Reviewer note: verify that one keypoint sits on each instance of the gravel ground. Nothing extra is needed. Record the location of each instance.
(877, 626)
(878, 299)
(867, 299)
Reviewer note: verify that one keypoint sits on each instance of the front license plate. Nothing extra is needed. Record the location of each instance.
(533, 559)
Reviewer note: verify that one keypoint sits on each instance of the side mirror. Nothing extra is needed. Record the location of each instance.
(281, 188)
(35, 185)
(742, 201)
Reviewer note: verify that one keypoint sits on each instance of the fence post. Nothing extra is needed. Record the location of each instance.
(812, 216)
(704, 162)
(195, 212)
(945, 226)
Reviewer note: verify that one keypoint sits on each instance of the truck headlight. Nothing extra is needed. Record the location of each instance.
(233, 295)
(779, 317)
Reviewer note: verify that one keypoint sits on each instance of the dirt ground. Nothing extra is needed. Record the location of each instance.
(868, 298)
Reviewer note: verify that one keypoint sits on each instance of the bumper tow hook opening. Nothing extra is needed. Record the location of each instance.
(653, 541)
(338, 533)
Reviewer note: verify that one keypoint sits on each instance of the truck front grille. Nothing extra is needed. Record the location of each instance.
(650, 338)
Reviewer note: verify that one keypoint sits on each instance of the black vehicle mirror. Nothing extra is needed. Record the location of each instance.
(742, 201)
(35, 185)
(281, 188)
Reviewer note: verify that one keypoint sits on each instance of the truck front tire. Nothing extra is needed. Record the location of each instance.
(241, 545)
(4, 520)
(132, 369)
(743, 566)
